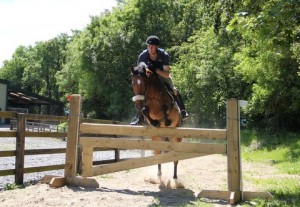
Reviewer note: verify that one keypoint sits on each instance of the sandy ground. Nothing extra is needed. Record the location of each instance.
(128, 188)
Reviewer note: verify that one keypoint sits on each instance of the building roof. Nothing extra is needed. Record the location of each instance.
(16, 96)
(27, 98)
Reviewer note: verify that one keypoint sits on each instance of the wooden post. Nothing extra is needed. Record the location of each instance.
(79, 158)
(117, 154)
(72, 140)
(87, 161)
(20, 149)
(233, 151)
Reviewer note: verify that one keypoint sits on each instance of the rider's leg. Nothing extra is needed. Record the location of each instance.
(177, 98)
(184, 114)
(138, 119)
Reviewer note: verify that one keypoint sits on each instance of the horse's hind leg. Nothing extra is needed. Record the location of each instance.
(157, 178)
(175, 183)
(175, 162)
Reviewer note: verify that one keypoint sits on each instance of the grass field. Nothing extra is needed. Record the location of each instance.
(282, 150)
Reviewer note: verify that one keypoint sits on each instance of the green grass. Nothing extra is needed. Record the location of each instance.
(13, 186)
(281, 150)
(64, 124)
(286, 192)
(200, 203)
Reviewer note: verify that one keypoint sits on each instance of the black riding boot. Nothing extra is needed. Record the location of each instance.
(184, 114)
(138, 119)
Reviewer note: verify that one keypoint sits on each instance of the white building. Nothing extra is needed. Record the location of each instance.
(3, 97)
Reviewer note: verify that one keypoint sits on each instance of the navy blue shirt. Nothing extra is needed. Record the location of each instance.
(163, 58)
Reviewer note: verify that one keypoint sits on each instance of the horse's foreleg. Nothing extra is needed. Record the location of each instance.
(145, 112)
(164, 108)
(175, 169)
(159, 170)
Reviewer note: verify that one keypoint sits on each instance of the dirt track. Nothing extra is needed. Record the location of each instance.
(128, 188)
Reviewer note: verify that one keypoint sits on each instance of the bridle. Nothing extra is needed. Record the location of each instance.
(141, 97)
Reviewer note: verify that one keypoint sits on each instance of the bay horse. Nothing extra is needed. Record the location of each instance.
(154, 101)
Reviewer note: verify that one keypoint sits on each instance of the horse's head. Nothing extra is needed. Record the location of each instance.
(139, 79)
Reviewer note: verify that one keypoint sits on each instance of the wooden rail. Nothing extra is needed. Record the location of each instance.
(126, 130)
(22, 131)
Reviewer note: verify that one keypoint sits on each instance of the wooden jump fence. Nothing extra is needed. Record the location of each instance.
(176, 151)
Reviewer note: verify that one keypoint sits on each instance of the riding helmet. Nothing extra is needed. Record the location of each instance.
(152, 40)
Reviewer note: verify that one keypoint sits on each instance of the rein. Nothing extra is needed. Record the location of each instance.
(141, 97)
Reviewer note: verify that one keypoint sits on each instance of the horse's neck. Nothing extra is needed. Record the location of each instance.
(157, 86)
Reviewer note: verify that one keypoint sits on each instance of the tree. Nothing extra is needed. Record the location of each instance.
(44, 61)
(205, 74)
(268, 61)
(13, 69)
(103, 53)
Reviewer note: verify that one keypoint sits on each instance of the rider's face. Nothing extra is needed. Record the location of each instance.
(152, 49)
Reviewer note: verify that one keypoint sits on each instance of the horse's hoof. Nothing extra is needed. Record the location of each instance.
(168, 122)
(152, 180)
(155, 123)
(174, 184)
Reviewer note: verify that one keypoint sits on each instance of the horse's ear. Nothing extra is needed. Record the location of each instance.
(132, 69)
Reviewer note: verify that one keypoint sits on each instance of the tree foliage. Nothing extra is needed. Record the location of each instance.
(205, 74)
(219, 49)
(269, 61)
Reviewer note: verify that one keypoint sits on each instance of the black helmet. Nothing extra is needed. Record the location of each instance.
(152, 40)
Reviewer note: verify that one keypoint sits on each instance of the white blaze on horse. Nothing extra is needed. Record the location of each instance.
(158, 107)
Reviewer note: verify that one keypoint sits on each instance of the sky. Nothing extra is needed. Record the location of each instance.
(25, 22)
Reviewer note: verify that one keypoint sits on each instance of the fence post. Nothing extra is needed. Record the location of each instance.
(20, 149)
(72, 139)
(233, 150)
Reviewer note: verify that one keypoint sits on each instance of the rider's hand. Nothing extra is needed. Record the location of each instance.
(152, 67)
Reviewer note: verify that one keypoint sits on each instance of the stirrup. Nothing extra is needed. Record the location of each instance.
(184, 115)
(137, 121)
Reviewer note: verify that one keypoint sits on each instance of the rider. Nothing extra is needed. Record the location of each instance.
(158, 61)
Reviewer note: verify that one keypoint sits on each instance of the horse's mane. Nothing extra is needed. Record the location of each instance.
(140, 67)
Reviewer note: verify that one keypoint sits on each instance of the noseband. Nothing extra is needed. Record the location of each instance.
(140, 97)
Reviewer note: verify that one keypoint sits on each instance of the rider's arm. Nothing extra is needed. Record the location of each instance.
(164, 73)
